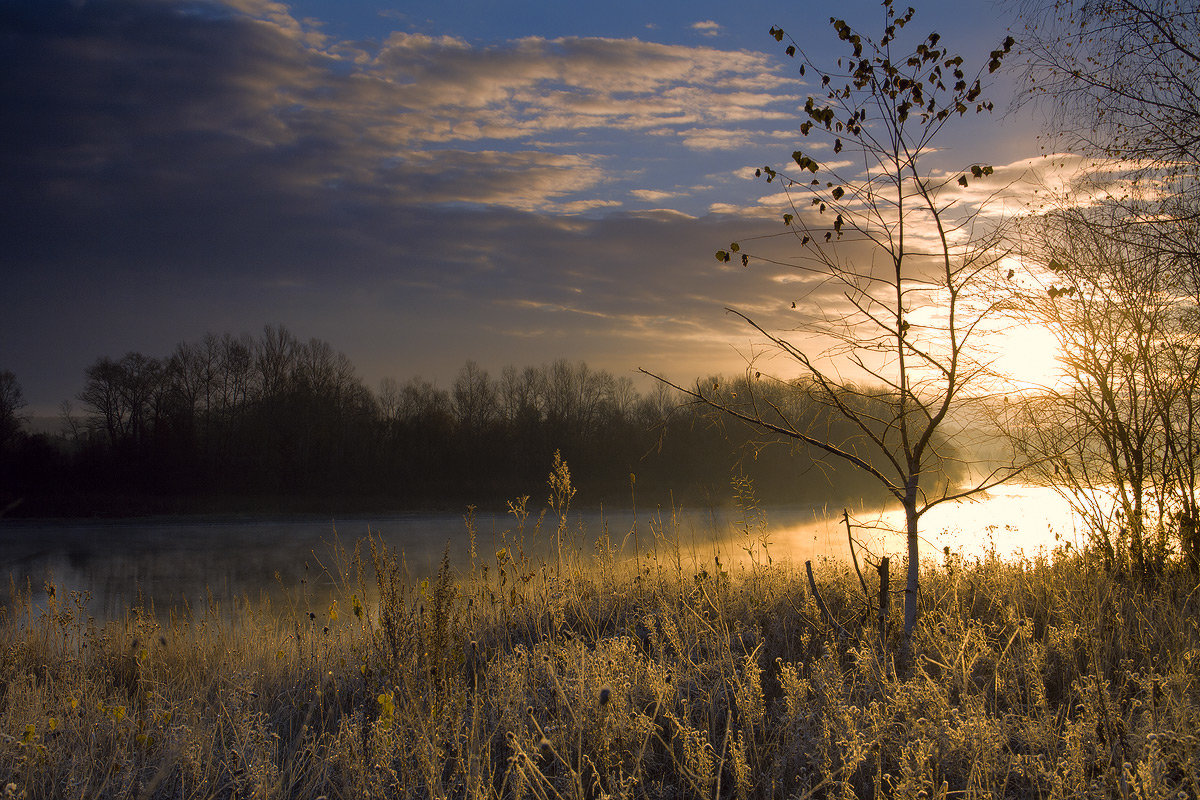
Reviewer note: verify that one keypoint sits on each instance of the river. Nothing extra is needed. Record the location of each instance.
(218, 563)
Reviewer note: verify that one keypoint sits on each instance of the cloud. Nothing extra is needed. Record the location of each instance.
(1056, 179)
(707, 28)
(173, 168)
(716, 139)
(654, 195)
(581, 206)
(526, 180)
(239, 100)
(536, 86)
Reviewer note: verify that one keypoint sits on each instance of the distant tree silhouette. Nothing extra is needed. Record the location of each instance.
(127, 397)
(12, 400)
(276, 421)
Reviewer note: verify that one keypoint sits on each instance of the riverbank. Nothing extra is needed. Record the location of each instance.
(579, 677)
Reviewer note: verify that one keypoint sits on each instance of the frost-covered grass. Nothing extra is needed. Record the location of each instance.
(586, 676)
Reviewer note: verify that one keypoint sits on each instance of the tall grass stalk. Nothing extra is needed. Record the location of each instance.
(592, 676)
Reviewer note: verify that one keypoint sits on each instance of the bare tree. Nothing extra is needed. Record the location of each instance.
(421, 401)
(388, 401)
(1115, 272)
(1118, 432)
(12, 400)
(72, 429)
(126, 397)
(275, 356)
(1119, 82)
(1119, 78)
(476, 398)
(904, 254)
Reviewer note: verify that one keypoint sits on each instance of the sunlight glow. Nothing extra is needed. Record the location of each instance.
(1013, 521)
(1028, 357)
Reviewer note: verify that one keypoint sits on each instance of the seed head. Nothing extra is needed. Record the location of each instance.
(605, 695)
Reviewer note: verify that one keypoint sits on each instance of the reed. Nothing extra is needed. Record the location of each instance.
(590, 675)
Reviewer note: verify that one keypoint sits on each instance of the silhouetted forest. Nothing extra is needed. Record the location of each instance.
(273, 423)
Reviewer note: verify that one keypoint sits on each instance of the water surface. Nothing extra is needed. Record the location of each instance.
(201, 563)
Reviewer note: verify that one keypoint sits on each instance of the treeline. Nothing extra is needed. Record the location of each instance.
(275, 423)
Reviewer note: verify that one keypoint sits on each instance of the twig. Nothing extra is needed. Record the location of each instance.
(884, 601)
(812, 584)
(854, 558)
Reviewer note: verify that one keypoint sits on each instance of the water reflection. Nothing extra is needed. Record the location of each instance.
(1011, 521)
(198, 564)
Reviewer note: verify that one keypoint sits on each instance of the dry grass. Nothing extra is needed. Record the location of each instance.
(583, 675)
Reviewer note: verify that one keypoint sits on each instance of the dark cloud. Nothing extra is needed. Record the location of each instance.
(172, 168)
(139, 129)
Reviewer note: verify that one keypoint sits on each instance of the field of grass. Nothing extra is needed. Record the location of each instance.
(583, 675)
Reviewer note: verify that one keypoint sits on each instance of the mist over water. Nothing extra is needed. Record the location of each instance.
(201, 564)
(1013, 521)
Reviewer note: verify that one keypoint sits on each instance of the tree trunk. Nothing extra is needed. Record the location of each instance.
(1190, 540)
(884, 603)
(914, 564)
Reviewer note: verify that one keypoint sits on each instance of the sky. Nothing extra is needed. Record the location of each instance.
(417, 183)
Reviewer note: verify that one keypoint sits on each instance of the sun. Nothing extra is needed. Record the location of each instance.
(1028, 357)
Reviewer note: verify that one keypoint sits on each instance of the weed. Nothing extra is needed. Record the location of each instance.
(594, 677)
